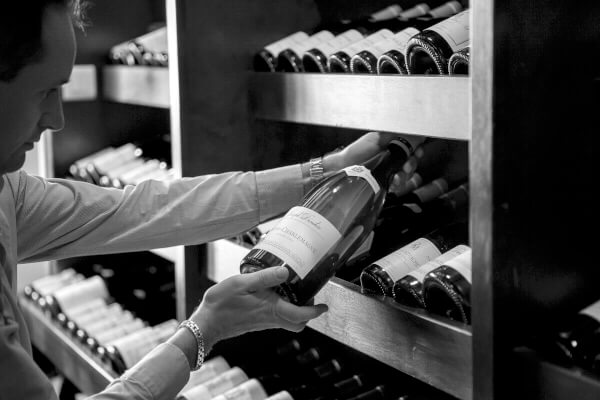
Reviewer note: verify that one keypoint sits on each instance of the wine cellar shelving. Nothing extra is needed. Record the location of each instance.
(507, 111)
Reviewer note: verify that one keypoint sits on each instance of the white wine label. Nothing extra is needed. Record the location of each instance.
(320, 37)
(366, 43)
(390, 12)
(454, 30)
(276, 47)
(408, 258)
(249, 390)
(417, 11)
(363, 172)
(462, 264)
(84, 291)
(446, 9)
(227, 380)
(592, 310)
(86, 307)
(283, 395)
(133, 351)
(120, 331)
(59, 284)
(432, 190)
(419, 273)
(301, 239)
(339, 42)
(209, 370)
(396, 42)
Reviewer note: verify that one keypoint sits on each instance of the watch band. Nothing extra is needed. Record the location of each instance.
(193, 327)
(316, 169)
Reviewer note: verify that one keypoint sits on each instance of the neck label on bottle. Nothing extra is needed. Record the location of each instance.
(592, 310)
(410, 257)
(454, 30)
(362, 172)
(396, 42)
(419, 273)
(462, 265)
(301, 238)
(277, 47)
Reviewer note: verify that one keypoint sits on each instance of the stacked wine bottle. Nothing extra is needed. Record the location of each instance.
(128, 164)
(418, 40)
(149, 49)
(84, 309)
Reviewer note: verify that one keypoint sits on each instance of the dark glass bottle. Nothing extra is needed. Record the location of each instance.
(577, 342)
(315, 59)
(379, 277)
(265, 60)
(402, 224)
(459, 62)
(408, 290)
(47, 284)
(392, 31)
(365, 61)
(447, 289)
(429, 51)
(330, 224)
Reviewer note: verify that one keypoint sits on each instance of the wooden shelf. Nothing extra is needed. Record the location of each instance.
(434, 350)
(139, 85)
(436, 106)
(82, 85)
(69, 358)
(542, 379)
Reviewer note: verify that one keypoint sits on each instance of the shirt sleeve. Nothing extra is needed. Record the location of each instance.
(59, 218)
(161, 374)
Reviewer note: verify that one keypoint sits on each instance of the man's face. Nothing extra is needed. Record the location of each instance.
(30, 103)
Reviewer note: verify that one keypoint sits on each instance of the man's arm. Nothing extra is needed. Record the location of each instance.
(60, 218)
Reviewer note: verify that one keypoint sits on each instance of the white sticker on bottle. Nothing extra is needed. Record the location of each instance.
(363, 172)
(320, 37)
(339, 42)
(455, 30)
(390, 12)
(276, 47)
(408, 258)
(419, 273)
(301, 239)
(397, 42)
(462, 264)
(592, 310)
(367, 42)
(432, 190)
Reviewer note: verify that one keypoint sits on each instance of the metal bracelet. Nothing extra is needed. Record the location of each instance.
(193, 327)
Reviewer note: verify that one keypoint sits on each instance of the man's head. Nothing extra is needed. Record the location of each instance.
(37, 52)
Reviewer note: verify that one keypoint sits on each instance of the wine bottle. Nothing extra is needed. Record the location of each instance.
(83, 333)
(73, 295)
(341, 60)
(33, 289)
(210, 369)
(577, 341)
(107, 178)
(123, 353)
(102, 338)
(110, 161)
(429, 51)
(365, 61)
(419, 196)
(252, 389)
(215, 386)
(379, 392)
(315, 239)
(290, 59)
(458, 64)
(315, 59)
(84, 308)
(77, 169)
(402, 224)
(379, 277)
(408, 290)
(80, 321)
(132, 175)
(447, 289)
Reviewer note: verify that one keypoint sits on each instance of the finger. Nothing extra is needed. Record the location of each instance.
(297, 314)
(410, 165)
(290, 326)
(265, 278)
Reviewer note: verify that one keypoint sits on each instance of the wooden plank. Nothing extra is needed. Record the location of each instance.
(140, 85)
(435, 351)
(433, 106)
(86, 372)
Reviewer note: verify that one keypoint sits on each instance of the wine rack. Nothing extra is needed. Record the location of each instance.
(433, 106)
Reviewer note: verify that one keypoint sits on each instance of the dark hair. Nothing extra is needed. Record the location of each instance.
(21, 31)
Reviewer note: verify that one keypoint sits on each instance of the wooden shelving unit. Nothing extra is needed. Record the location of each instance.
(73, 361)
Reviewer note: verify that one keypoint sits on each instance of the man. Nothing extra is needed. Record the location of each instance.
(50, 219)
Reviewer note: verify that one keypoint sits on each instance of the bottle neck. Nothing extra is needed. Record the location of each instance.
(384, 166)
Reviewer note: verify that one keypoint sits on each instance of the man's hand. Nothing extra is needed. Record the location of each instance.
(246, 303)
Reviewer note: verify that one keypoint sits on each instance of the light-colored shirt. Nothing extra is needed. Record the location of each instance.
(43, 219)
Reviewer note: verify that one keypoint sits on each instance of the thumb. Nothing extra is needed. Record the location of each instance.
(266, 278)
